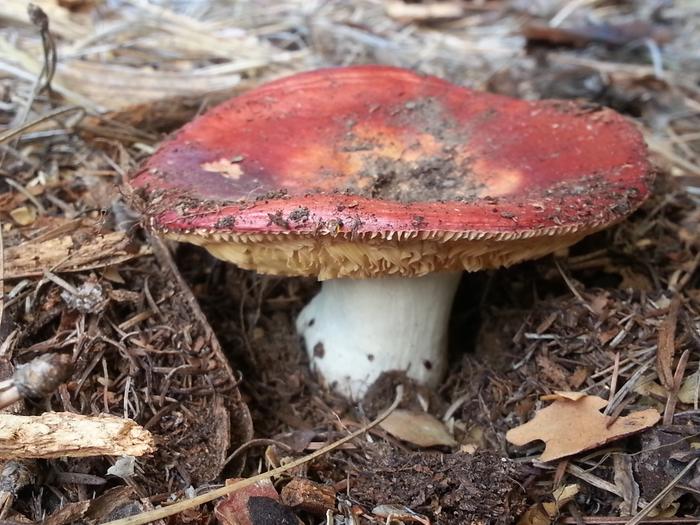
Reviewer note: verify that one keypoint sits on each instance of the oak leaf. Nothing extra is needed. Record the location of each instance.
(569, 426)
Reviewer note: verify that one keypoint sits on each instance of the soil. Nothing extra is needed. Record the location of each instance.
(448, 488)
(435, 178)
(497, 368)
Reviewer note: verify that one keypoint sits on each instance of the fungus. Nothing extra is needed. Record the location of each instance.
(386, 185)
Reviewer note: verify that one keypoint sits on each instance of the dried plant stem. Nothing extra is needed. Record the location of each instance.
(180, 506)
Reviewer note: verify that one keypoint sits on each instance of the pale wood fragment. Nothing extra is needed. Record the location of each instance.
(58, 434)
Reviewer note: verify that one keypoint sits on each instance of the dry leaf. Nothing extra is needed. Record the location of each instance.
(564, 394)
(624, 480)
(579, 377)
(650, 388)
(568, 427)
(689, 389)
(24, 215)
(556, 373)
(417, 428)
(544, 513)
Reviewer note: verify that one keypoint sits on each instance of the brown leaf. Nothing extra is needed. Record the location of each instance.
(556, 373)
(24, 215)
(667, 345)
(544, 513)
(624, 480)
(417, 428)
(578, 378)
(568, 427)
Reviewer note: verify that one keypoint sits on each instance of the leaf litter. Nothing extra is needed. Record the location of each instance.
(569, 426)
(590, 323)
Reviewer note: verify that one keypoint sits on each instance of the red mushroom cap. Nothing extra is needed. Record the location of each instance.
(374, 152)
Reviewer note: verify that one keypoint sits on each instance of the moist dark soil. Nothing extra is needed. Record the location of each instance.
(450, 488)
(516, 334)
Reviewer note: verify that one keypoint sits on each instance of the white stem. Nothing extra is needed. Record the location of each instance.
(356, 329)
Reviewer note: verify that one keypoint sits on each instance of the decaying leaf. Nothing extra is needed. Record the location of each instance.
(418, 428)
(571, 426)
(688, 392)
(625, 482)
(24, 215)
(544, 513)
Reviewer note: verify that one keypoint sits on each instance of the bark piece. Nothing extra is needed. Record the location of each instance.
(33, 258)
(255, 504)
(58, 434)
(304, 494)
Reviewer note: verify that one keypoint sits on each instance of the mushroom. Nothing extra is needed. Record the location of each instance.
(385, 185)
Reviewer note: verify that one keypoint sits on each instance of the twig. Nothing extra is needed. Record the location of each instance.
(180, 506)
(661, 495)
(255, 443)
(41, 21)
(672, 398)
(572, 287)
(613, 383)
(2, 275)
(18, 130)
(614, 520)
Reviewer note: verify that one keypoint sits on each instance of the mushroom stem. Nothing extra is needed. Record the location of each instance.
(355, 330)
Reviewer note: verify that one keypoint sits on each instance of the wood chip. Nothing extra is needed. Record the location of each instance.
(59, 434)
(64, 254)
(304, 494)
(571, 426)
(256, 503)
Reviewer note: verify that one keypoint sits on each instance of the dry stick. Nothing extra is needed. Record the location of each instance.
(572, 287)
(180, 506)
(672, 398)
(613, 384)
(615, 520)
(661, 495)
(4, 137)
(2, 274)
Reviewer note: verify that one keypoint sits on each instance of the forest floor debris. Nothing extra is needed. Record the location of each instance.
(618, 317)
